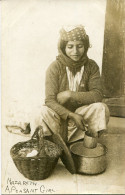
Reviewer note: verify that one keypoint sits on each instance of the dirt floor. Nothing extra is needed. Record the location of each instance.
(63, 182)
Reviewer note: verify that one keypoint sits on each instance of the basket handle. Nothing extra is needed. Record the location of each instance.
(35, 135)
(39, 137)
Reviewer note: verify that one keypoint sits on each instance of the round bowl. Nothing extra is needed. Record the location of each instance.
(89, 161)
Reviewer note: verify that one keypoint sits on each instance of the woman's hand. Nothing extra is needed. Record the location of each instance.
(63, 97)
(78, 119)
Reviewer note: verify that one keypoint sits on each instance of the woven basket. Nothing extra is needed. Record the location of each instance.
(37, 167)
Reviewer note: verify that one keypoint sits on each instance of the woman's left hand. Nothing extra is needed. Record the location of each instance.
(63, 97)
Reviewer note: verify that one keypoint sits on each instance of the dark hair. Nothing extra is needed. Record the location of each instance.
(85, 42)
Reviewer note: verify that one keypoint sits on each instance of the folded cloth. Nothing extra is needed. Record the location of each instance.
(17, 120)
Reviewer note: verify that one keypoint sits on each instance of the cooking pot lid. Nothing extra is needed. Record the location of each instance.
(79, 149)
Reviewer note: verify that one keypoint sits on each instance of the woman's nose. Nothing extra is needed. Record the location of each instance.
(75, 50)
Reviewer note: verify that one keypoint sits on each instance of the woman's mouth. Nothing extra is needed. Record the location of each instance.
(75, 55)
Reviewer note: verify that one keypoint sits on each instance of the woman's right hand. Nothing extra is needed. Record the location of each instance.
(78, 119)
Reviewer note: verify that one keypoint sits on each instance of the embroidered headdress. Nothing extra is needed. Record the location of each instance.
(73, 33)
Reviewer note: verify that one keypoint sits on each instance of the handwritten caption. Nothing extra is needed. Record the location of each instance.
(27, 187)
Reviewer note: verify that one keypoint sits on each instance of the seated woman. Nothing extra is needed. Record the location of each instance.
(73, 90)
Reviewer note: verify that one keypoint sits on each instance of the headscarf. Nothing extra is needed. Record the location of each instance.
(72, 33)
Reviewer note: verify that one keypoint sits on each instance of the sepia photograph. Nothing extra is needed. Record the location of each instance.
(62, 97)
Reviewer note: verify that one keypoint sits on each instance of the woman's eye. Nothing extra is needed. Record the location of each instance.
(80, 46)
(70, 46)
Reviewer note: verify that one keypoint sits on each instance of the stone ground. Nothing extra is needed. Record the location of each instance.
(112, 181)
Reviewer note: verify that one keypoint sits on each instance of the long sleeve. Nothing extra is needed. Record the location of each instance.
(94, 93)
(52, 89)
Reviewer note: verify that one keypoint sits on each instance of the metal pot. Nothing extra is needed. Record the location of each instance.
(89, 160)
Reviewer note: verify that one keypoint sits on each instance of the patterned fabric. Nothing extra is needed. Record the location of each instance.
(74, 80)
(73, 33)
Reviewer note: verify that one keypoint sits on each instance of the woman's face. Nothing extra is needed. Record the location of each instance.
(75, 50)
